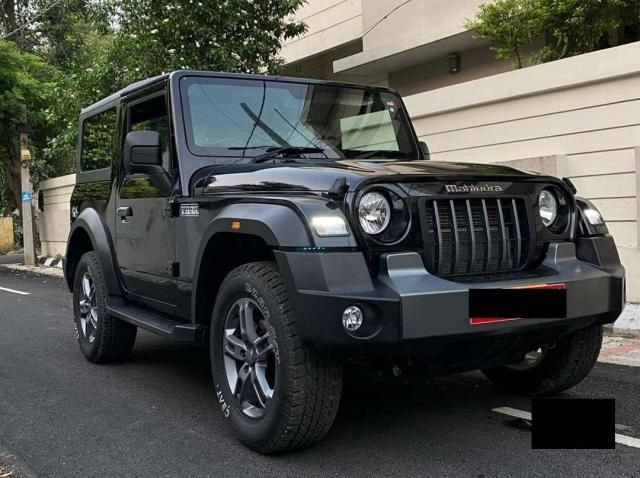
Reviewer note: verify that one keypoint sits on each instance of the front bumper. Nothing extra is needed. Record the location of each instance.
(405, 303)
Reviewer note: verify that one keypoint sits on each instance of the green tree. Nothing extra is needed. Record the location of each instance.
(52, 41)
(562, 28)
(156, 36)
(509, 25)
(574, 27)
(24, 82)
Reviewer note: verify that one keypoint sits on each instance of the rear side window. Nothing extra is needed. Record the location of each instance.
(98, 139)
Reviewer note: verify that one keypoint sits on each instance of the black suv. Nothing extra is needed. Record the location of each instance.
(296, 225)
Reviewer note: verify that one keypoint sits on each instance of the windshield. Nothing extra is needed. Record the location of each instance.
(248, 117)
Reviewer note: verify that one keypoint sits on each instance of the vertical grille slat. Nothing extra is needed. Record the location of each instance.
(505, 242)
(456, 235)
(474, 236)
(439, 232)
(516, 221)
(487, 229)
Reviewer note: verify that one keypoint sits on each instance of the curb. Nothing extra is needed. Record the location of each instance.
(610, 330)
(629, 320)
(41, 270)
(50, 261)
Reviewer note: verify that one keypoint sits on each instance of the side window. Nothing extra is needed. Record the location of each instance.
(152, 115)
(98, 136)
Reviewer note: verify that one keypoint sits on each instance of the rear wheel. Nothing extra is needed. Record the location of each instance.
(548, 371)
(102, 338)
(278, 393)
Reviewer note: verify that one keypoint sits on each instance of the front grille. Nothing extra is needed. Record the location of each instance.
(474, 236)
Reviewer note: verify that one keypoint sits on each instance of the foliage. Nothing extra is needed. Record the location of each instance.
(509, 25)
(24, 80)
(98, 139)
(554, 28)
(157, 36)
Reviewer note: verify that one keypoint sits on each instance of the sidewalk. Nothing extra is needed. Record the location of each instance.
(47, 266)
(39, 269)
(621, 349)
(12, 257)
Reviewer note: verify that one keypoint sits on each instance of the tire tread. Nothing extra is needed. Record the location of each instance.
(316, 380)
(564, 366)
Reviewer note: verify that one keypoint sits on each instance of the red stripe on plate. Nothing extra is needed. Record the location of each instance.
(490, 320)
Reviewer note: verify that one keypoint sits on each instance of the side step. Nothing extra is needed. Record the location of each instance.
(153, 322)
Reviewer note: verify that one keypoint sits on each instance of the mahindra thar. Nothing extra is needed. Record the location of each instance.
(296, 226)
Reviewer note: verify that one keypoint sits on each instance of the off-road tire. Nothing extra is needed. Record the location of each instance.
(308, 385)
(562, 366)
(114, 339)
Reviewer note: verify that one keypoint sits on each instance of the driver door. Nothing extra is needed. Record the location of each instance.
(145, 235)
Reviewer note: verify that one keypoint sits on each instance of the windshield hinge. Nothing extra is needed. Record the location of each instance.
(173, 208)
(338, 189)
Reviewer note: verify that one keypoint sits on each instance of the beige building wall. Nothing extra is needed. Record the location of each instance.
(321, 66)
(330, 24)
(416, 17)
(369, 41)
(476, 63)
(54, 218)
(583, 113)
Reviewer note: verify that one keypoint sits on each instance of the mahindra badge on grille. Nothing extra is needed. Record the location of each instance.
(473, 188)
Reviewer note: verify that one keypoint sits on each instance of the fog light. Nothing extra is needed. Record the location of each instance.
(352, 318)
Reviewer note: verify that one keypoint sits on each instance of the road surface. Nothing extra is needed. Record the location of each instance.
(156, 414)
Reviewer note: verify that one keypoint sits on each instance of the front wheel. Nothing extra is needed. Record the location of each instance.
(548, 371)
(278, 393)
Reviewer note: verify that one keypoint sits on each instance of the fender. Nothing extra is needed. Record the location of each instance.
(90, 222)
(276, 224)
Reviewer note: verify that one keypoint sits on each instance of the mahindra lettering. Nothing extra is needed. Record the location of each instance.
(297, 226)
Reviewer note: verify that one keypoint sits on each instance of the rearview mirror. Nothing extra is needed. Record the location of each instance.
(425, 150)
(142, 152)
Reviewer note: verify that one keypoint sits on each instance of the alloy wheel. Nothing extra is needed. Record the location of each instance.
(249, 357)
(88, 308)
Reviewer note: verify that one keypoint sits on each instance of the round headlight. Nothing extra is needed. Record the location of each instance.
(548, 206)
(374, 213)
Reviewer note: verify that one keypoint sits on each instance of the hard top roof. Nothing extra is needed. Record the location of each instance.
(175, 75)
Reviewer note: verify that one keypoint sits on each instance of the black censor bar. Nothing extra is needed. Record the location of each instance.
(544, 302)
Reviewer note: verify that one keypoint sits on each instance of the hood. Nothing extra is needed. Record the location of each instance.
(320, 176)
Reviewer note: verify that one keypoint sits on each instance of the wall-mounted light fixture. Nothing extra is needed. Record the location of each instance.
(455, 63)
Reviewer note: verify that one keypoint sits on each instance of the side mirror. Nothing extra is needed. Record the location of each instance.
(425, 150)
(142, 152)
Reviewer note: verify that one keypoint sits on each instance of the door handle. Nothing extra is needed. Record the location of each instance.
(124, 211)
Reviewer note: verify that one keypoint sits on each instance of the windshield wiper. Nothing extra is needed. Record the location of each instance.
(384, 153)
(241, 148)
(273, 152)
